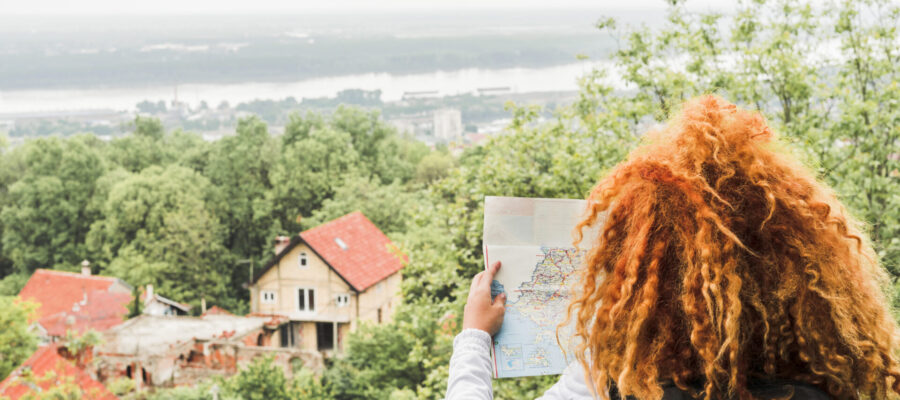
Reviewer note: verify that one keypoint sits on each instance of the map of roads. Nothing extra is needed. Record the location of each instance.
(527, 343)
(532, 238)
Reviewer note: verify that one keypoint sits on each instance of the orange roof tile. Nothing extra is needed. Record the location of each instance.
(48, 359)
(356, 249)
(77, 302)
(216, 310)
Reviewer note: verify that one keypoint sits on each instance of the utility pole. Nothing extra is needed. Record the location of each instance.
(249, 280)
(247, 261)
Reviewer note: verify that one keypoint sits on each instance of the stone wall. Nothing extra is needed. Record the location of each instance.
(190, 363)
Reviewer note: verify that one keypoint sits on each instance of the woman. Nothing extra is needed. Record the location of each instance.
(723, 270)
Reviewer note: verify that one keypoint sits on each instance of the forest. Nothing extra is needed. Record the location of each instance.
(170, 209)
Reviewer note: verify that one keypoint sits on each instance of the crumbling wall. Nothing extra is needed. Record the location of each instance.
(197, 361)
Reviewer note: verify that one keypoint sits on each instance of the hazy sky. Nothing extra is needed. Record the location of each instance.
(98, 7)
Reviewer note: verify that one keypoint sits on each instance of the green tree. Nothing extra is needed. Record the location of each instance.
(48, 205)
(260, 380)
(365, 128)
(240, 167)
(308, 172)
(300, 127)
(160, 228)
(434, 166)
(12, 284)
(10, 171)
(398, 355)
(389, 207)
(17, 342)
(199, 391)
(150, 145)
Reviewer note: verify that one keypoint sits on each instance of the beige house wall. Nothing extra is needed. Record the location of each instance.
(384, 296)
(288, 276)
(285, 278)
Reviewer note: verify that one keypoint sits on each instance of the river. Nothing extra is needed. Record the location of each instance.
(519, 80)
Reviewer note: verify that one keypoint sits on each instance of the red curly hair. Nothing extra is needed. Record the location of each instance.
(722, 260)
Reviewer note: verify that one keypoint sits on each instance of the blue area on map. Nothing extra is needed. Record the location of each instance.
(516, 345)
(526, 344)
(496, 288)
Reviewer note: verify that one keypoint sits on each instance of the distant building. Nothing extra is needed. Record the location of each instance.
(448, 124)
(76, 302)
(51, 366)
(494, 91)
(418, 125)
(404, 126)
(155, 304)
(422, 94)
(327, 280)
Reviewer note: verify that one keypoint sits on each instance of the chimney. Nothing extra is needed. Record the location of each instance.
(149, 292)
(86, 268)
(280, 243)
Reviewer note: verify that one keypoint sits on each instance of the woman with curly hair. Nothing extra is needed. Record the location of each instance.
(722, 270)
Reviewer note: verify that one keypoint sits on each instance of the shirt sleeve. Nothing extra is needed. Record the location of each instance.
(470, 367)
(572, 385)
(471, 372)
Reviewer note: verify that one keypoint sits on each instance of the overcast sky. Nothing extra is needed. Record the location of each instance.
(101, 7)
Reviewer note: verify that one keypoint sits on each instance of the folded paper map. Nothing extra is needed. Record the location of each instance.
(532, 238)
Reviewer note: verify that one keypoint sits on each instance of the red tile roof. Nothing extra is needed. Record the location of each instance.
(356, 249)
(216, 310)
(48, 359)
(77, 302)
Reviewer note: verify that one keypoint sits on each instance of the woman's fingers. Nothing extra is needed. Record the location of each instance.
(489, 274)
(476, 280)
(500, 301)
(481, 311)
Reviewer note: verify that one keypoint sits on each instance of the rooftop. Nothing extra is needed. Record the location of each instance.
(356, 249)
(45, 360)
(149, 335)
(352, 246)
(78, 302)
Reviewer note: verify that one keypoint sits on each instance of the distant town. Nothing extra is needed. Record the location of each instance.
(424, 115)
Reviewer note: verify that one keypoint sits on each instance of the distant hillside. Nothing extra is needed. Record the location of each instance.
(127, 52)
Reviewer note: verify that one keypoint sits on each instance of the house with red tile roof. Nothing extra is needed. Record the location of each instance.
(77, 302)
(51, 366)
(327, 280)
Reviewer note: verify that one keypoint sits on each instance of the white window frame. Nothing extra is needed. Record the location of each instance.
(342, 300)
(303, 260)
(268, 297)
(309, 294)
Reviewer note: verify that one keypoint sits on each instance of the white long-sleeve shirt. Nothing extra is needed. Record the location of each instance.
(470, 377)
(470, 372)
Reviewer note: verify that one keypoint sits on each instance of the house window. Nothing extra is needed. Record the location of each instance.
(267, 296)
(340, 243)
(306, 299)
(302, 260)
(379, 315)
(342, 300)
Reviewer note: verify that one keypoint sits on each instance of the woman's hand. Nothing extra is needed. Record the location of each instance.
(481, 312)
